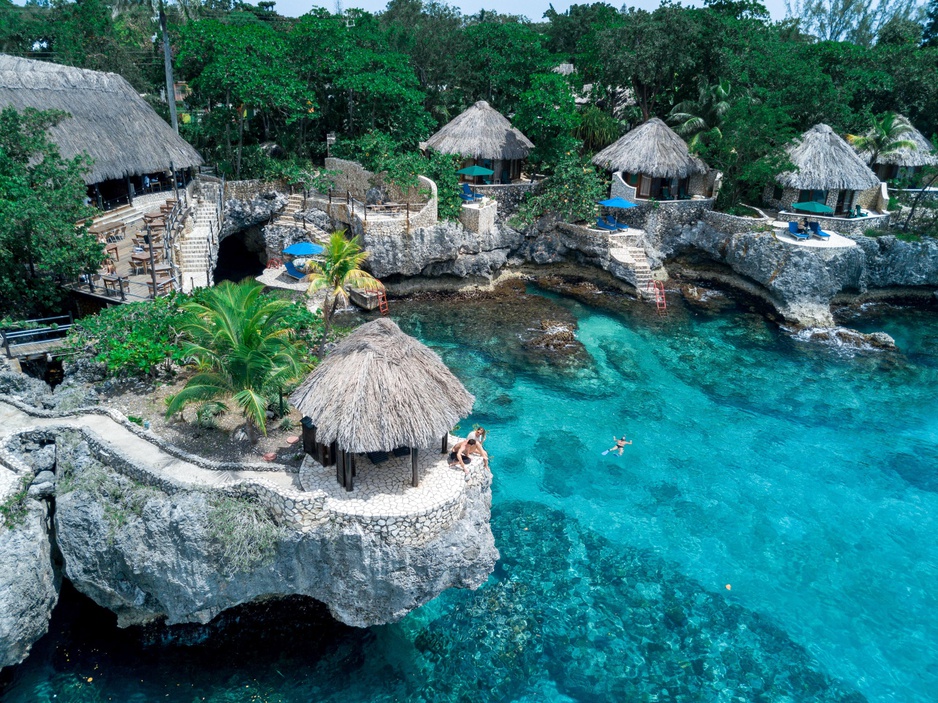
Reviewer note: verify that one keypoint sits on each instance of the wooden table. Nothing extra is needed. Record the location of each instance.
(141, 259)
(113, 283)
(163, 270)
(152, 218)
(162, 287)
(107, 231)
(112, 249)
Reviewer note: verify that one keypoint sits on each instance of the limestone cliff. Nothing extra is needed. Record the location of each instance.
(163, 549)
(188, 556)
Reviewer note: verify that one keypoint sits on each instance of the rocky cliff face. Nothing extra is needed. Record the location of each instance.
(30, 583)
(801, 282)
(243, 213)
(188, 555)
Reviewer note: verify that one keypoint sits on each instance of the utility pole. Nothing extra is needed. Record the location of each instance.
(168, 65)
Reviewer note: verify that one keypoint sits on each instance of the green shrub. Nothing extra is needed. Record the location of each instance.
(13, 509)
(132, 339)
(243, 532)
(571, 193)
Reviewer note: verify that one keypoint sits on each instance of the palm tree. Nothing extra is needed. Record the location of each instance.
(242, 351)
(694, 118)
(884, 137)
(339, 268)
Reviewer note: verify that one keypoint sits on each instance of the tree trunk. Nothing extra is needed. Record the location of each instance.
(228, 126)
(240, 141)
(327, 314)
(915, 203)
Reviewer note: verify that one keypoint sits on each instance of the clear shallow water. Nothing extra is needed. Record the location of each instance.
(803, 478)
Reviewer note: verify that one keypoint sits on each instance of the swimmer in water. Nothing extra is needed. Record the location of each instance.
(620, 445)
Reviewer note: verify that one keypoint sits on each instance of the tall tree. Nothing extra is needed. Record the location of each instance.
(857, 21)
(930, 26)
(547, 115)
(653, 53)
(242, 350)
(337, 270)
(498, 59)
(42, 196)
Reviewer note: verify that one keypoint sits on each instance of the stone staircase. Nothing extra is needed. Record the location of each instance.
(625, 251)
(198, 248)
(285, 218)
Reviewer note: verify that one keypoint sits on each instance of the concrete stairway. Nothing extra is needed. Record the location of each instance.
(285, 218)
(198, 248)
(624, 250)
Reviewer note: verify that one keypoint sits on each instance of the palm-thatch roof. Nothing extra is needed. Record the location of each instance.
(381, 389)
(826, 162)
(923, 154)
(109, 120)
(481, 132)
(652, 149)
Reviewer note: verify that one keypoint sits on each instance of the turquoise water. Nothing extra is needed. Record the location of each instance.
(802, 478)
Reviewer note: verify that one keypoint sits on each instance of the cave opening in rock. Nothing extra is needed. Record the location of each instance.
(241, 255)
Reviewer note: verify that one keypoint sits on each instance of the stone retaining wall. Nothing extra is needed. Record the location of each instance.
(733, 223)
(508, 196)
(854, 225)
(301, 509)
(479, 218)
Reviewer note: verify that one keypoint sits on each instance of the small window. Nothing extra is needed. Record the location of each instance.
(631, 179)
(777, 193)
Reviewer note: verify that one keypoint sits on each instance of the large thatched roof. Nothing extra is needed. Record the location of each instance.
(381, 389)
(652, 149)
(109, 120)
(826, 162)
(481, 132)
(922, 155)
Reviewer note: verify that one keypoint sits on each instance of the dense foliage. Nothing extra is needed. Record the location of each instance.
(42, 196)
(134, 339)
(140, 339)
(258, 78)
(243, 351)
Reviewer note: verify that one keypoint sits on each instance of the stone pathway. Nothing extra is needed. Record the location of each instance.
(383, 500)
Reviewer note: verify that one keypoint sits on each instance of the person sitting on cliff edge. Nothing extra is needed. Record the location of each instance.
(461, 451)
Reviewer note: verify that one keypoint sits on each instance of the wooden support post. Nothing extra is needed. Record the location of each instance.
(349, 481)
(415, 479)
(340, 467)
(445, 444)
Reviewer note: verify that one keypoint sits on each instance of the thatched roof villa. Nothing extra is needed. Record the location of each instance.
(109, 121)
(379, 390)
(484, 137)
(654, 161)
(907, 160)
(828, 171)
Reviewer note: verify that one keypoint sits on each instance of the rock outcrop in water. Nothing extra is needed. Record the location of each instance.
(185, 553)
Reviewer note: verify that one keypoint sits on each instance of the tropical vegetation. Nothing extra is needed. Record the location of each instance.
(884, 137)
(242, 351)
(336, 270)
(42, 197)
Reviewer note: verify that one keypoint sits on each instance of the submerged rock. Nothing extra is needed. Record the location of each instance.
(844, 338)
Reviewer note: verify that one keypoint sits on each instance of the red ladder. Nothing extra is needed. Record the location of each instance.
(382, 302)
(661, 300)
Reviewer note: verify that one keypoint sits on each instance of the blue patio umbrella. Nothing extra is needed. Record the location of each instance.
(617, 202)
(303, 249)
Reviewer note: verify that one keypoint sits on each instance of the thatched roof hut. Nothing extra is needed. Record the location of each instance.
(381, 389)
(826, 162)
(109, 120)
(481, 132)
(652, 149)
(923, 154)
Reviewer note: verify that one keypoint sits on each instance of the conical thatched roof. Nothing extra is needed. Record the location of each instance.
(481, 132)
(109, 120)
(826, 162)
(653, 149)
(381, 389)
(922, 155)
